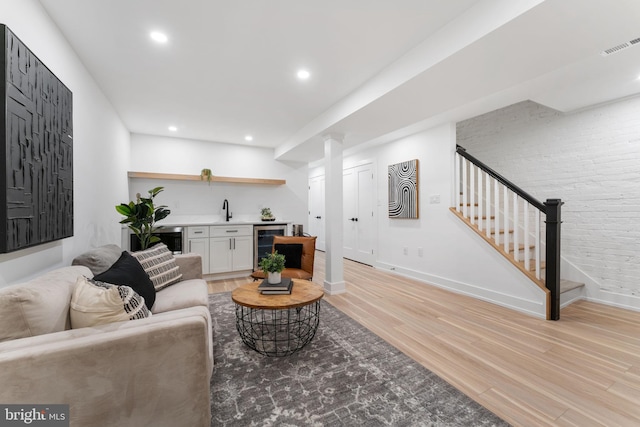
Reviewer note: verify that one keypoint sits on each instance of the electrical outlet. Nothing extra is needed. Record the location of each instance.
(420, 252)
(434, 199)
(405, 251)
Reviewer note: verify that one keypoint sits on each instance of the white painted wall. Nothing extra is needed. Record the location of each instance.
(191, 198)
(101, 148)
(454, 257)
(590, 160)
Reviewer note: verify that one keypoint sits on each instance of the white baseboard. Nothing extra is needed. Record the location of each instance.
(593, 289)
(229, 275)
(335, 288)
(627, 302)
(533, 308)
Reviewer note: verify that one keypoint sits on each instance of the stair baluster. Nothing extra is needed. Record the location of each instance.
(486, 207)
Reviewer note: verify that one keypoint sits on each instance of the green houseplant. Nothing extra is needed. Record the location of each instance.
(272, 264)
(206, 174)
(266, 214)
(142, 215)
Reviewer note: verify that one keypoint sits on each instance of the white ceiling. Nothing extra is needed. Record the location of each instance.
(380, 69)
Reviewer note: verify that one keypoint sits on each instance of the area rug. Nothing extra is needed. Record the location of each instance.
(346, 376)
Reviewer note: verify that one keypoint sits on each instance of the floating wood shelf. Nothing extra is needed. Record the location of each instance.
(229, 179)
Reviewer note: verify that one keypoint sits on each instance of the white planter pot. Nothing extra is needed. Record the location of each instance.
(274, 277)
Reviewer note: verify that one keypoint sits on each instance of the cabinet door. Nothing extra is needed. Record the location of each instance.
(242, 253)
(220, 254)
(201, 247)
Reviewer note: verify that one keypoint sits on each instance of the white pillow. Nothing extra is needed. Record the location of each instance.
(95, 303)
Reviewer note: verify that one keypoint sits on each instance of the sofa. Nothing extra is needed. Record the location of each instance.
(153, 371)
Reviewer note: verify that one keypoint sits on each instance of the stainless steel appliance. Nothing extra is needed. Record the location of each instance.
(298, 230)
(263, 240)
(170, 236)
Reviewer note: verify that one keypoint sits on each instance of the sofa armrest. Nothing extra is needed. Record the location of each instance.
(153, 371)
(190, 265)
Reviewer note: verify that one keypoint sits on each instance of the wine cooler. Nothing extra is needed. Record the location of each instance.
(263, 240)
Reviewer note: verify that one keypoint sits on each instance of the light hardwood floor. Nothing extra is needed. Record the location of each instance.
(583, 370)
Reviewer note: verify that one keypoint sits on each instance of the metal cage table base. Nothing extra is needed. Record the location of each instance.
(277, 332)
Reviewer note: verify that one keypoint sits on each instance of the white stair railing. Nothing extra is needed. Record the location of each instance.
(512, 220)
(502, 215)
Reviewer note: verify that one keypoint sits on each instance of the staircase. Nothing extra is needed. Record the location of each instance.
(570, 292)
(524, 230)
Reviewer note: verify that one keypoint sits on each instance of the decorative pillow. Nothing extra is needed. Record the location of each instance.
(292, 254)
(99, 260)
(127, 271)
(96, 303)
(160, 265)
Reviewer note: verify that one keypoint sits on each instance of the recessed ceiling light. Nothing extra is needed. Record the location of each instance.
(173, 128)
(248, 138)
(303, 74)
(159, 37)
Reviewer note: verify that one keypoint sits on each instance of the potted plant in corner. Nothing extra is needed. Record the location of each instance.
(272, 265)
(142, 215)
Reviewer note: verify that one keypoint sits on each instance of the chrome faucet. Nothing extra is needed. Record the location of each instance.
(225, 206)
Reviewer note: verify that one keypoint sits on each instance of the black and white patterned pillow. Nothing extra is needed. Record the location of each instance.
(133, 303)
(95, 303)
(160, 265)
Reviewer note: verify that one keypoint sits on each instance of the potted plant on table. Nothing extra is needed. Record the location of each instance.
(142, 215)
(272, 265)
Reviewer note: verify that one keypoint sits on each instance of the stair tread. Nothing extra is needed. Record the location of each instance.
(493, 231)
(532, 264)
(568, 285)
(520, 246)
(484, 217)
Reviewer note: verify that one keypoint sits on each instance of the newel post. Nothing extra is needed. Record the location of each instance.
(552, 276)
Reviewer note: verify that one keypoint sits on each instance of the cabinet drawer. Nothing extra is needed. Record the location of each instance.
(230, 230)
(195, 232)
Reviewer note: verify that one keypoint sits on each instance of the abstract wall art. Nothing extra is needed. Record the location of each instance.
(403, 190)
(36, 131)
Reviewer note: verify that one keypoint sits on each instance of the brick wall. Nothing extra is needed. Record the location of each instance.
(591, 160)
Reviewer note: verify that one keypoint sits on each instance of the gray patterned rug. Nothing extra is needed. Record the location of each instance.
(347, 376)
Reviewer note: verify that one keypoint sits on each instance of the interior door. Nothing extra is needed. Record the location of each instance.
(350, 212)
(359, 213)
(316, 210)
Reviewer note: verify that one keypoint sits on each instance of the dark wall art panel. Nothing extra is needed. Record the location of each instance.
(403, 190)
(36, 180)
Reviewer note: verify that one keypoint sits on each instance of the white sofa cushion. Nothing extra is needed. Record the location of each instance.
(40, 306)
(185, 294)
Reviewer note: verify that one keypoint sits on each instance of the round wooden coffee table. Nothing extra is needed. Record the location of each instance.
(277, 325)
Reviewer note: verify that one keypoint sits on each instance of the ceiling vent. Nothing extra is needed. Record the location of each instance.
(620, 47)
